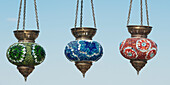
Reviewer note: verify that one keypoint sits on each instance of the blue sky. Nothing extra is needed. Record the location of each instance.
(56, 20)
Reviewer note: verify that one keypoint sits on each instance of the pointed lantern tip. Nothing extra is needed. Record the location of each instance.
(25, 79)
(83, 75)
(137, 72)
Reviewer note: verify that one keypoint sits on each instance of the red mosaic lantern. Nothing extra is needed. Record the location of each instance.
(138, 49)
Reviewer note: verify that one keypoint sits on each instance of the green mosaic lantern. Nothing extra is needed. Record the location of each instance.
(26, 54)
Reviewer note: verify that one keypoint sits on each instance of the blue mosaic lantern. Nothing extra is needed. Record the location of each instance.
(83, 51)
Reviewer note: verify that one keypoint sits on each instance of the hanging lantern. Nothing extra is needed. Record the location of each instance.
(138, 49)
(83, 51)
(26, 53)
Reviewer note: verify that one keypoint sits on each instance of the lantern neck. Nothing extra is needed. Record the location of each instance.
(26, 35)
(83, 33)
(139, 31)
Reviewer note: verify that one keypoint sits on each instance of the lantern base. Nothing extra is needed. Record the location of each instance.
(25, 70)
(83, 66)
(138, 64)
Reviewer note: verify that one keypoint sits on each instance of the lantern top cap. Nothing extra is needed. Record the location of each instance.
(83, 33)
(26, 35)
(139, 31)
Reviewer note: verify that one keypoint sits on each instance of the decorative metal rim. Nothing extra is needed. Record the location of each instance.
(150, 27)
(26, 31)
(83, 28)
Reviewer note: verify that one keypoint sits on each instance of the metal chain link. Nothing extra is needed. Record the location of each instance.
(130, 8)
(24, 15)
(36, 13)
(147, 13)
(81, 14)
(141, 12)
(77, 8)
(93, 13)
(19, 15)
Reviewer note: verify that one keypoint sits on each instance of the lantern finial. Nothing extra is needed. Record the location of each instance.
(138, 64)
(25, 71)
(25, 79)
(83, 66)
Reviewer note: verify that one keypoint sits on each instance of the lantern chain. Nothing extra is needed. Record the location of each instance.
(130, 8)
(19, 15)
(147, 13)
(81, 14)
(141, 12)
(93, 13)
(76, 13)
(24, 15)
(36, 14)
